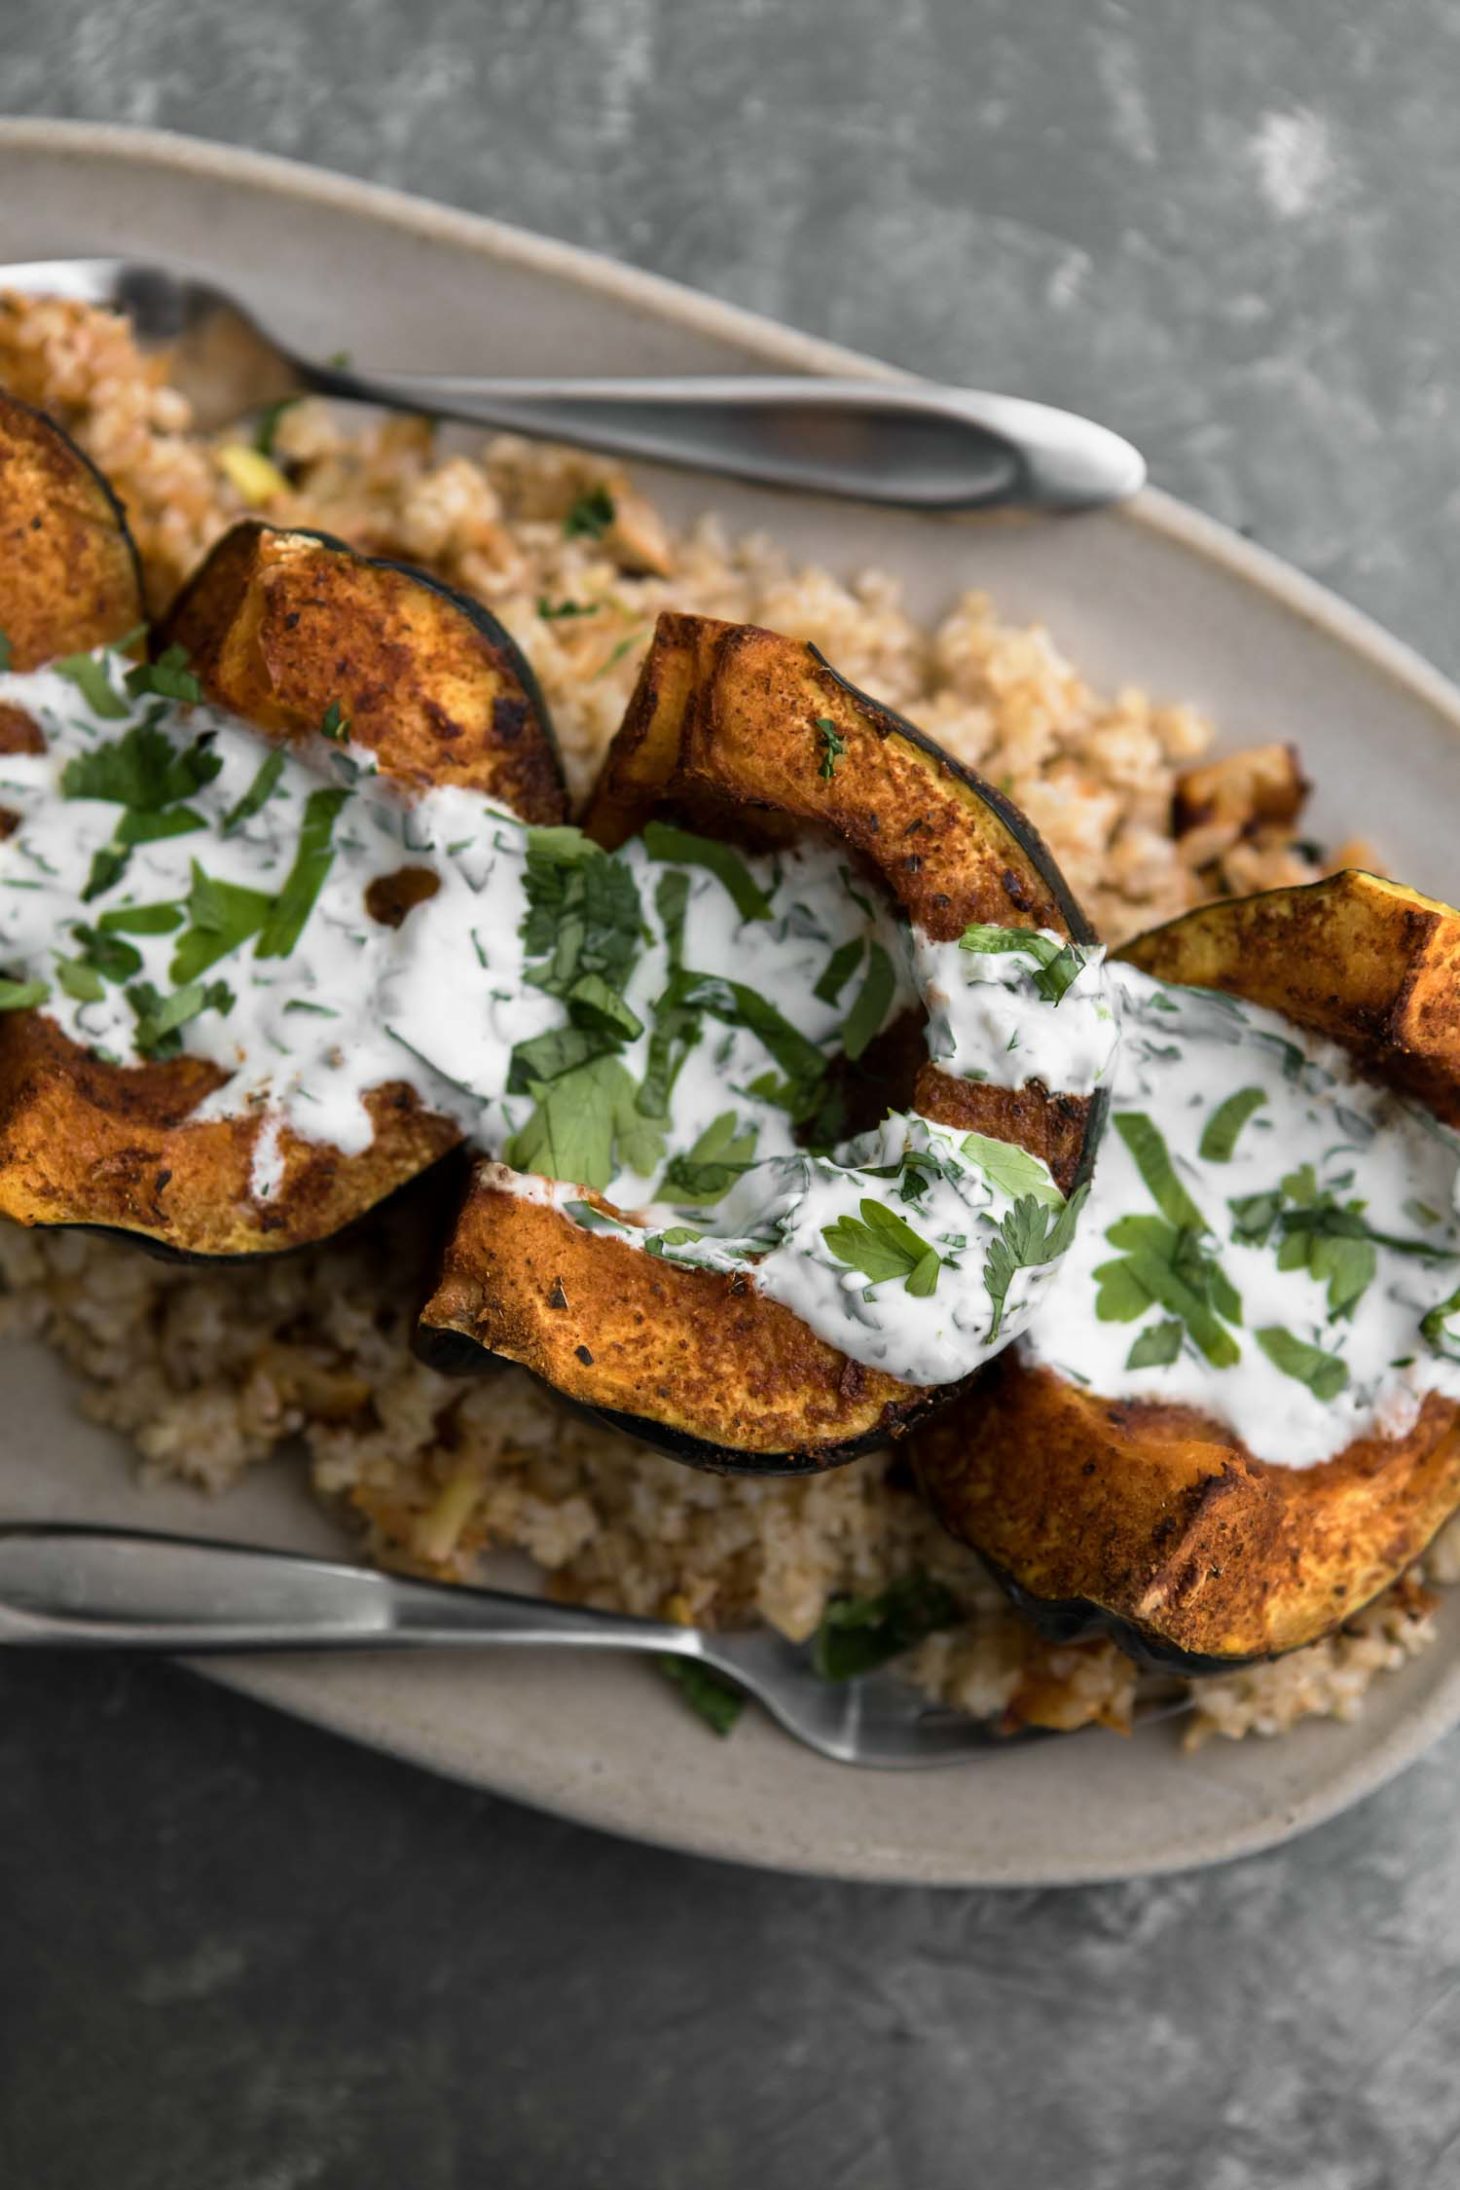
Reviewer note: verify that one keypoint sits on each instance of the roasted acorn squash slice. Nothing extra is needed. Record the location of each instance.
(279, 626)
(1151, 1522)
(69, 575)
(721, 735)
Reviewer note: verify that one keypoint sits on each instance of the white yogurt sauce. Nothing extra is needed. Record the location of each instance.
(1331, 1223)
(1007, 1016)
(734, 987)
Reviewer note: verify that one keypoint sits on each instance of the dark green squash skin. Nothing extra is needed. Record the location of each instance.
(455, 1353)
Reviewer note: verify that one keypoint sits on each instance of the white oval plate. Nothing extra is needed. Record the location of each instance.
(1154, 594)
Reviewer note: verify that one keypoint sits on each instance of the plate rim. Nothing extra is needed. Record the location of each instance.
(1184, 527)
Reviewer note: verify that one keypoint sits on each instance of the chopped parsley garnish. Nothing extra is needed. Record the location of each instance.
(839, 969)
(1167, 1265)
(109, 956)
(1031, 1235)
(89, 675)
(884, 1246)
(160, 1019)
(141, 920)
(1012, 1169)
(312, 860)
(1156, 1346)
(23, 995)
(865, 1018)
(582, 1116)
(736, 1005)
(169, 678)
(590, 516)
(257, 796)
(335, 724)
(833, 746)
(711, 1695)
(143, 773)
(1152, 1158)
(859, 1634)
(265, 433)
(221, 917)
(1334, 1242)
(706, 1173)
(1324, 1374)
(1057, 966)
(79, 980)
(1219, 1134)
(6, 653)
(1434, 1327)
(663, 841)
(556, 612)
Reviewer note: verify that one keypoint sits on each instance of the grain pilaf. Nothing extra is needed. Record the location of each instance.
(209, 1373)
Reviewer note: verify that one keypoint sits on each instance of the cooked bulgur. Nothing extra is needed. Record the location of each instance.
(208, 1373)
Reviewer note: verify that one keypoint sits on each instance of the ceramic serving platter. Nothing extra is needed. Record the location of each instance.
(1154, 594)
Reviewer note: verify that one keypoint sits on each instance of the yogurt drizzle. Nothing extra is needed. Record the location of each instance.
(1269, 1239)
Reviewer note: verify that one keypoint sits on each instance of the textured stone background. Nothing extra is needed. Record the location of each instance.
(238, 1956)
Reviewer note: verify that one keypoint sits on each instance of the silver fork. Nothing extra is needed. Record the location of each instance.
(910, 444)
(78, 1587)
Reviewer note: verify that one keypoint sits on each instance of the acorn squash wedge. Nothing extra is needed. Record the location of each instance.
(279, 627)
(728, 733)
(1152, 1522)
(69, 574)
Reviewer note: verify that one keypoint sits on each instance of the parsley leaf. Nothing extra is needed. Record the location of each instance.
(858, 1634)
(707, 1171)
(23, 995)
(142, 770)
(160, 1019)
(335, 724)
(736, 1005)
(1219, 1134)
(663, 841)
(583, 913)
(713, 1696)
(80, 980)
(6, 654)
(1011, 1168)
(590, 516)
(222, 917)
(1030, 1235)
(89, 675)
(141, 920)
(168, 677)
(839, 969)
(1057, 966)
(884, 1246)
(580, 1117)
(553, 612)
(312, 860)
(1325, 1375)
(833, 746)
(1154, 1347)
(108, 955)
(1144, 1139)
(266, 431)
(865, 1018)
(257, 796)
(1434, 1327)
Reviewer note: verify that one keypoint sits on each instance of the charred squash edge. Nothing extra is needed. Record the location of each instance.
(1403, 1028)
(446, 1344)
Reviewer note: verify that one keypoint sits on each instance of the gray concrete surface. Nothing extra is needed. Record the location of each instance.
(235, 1955)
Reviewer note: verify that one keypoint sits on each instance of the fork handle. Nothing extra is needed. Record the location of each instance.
(913, 444)
(80, 1587)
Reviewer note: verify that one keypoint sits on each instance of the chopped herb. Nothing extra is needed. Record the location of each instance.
(1168, 1264)
(1324, 1374)
(711, 1695)
(663, 841)
(107, 867)
(1155, 1346)
(222, 916)
(6, 654)
(266, 431)
(169, 678)
(865, 1018)
(581, 1118)
(1219, 1134)
(583, 917)
(23, 995)
(553, 612)
(833, 746)
(1030, 1235)
(1152, 1159)
(160, 1019)
(294, 903)
(257, 796)
(141, 770)
(1012, 1169)
(595, 1005)
(721, 1155)
(1434, 1331)
(141, 920)
(838, 970)
(884, 1246)
(736, 1005)
(859, 1634)
(317, 1011)
(88, 673)
(1120, 1297)
(80, 980)
(616, 656)
(106, 954)
(137, 827)
(335, 724)
(1057, 966)
(590, 516)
